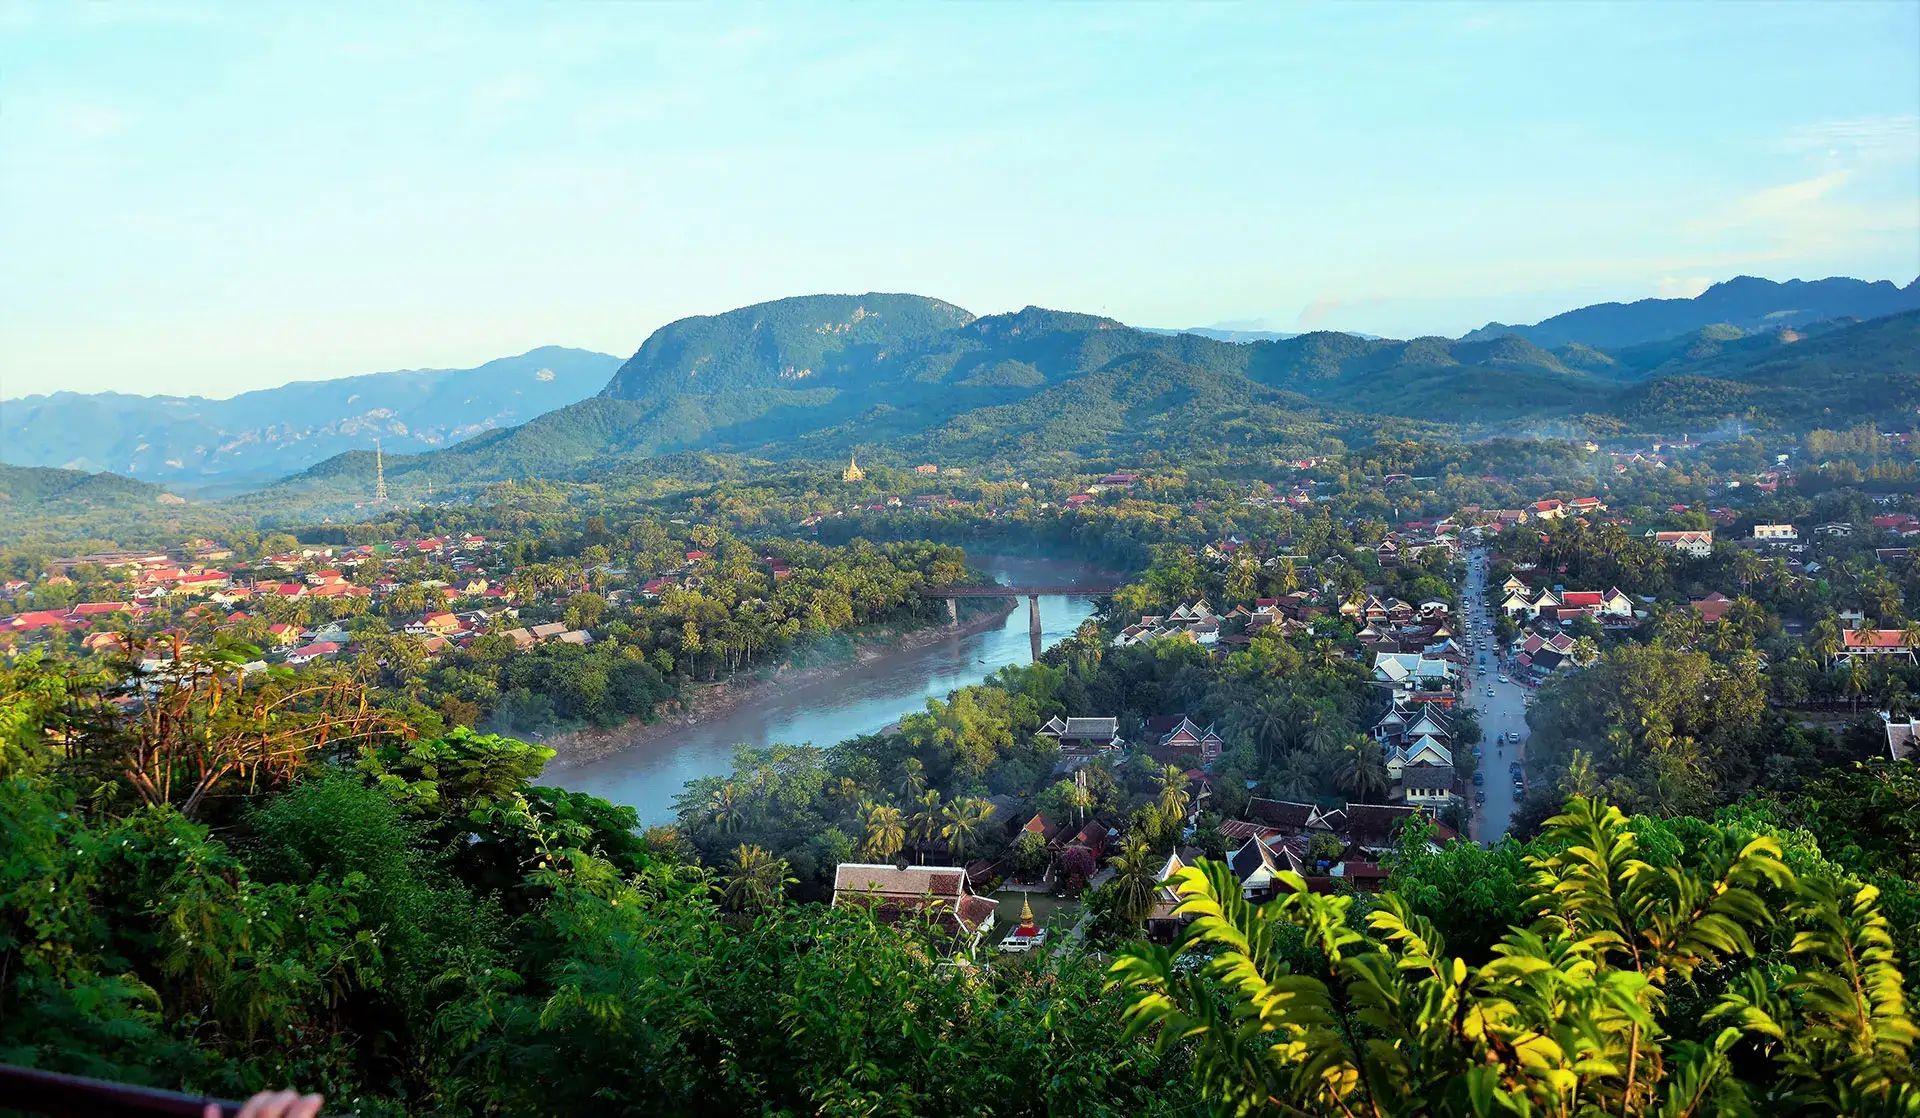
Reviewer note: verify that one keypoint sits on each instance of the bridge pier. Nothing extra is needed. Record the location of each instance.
(1033, 623)
(953, 611)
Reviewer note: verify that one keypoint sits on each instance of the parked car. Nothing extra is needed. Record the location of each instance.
(1016, 944)
(1479, 778)
(1476, 752)
(1480, 797)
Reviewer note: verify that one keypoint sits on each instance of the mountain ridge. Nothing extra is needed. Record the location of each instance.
(1034, 381)
(1747, 302)
(275, 431)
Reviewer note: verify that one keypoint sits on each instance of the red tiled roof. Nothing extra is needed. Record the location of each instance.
(1874, 638)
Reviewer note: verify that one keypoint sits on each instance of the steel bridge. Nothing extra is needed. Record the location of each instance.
(1032, 594)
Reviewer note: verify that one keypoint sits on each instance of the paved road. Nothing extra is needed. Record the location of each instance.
(1503, 711)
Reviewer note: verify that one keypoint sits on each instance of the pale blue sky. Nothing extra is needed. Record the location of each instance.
(209, 198)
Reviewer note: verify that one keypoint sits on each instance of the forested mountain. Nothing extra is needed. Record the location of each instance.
(1861, 371)
(35, 489)
(820, 376)
(1744, 301)
(276, 431)
(785, 343)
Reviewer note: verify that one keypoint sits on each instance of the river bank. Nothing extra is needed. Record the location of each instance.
(709, 702)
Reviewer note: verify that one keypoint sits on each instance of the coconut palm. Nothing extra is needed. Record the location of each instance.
(1362, 770)
(1134, 879)
(1323, 735)
(1585, 652)
(886, 832)
(1266, 721)
(1825, 640)
(1286, 577)
(1295, 778)
(965, 819)
(725, 808)
(1173, 798)
(756, 880)
(913, 777)
(926, 822)
(1856, 681)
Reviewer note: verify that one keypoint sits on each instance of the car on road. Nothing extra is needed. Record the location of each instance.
(1476, 752)
(1479, 778)
(1514, 768)
(1489, 691)
(1504, 679)
(1480, 797)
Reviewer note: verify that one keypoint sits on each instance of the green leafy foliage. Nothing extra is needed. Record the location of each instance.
(1571, 1012)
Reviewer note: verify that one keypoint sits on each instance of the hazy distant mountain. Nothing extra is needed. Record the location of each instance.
(1744, 302)
(277, 431)
(1229, 334)
(1222, 334)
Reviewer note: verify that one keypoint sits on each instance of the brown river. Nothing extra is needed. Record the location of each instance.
(863, 698)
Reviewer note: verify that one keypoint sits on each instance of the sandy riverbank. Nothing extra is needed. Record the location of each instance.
(705, 702)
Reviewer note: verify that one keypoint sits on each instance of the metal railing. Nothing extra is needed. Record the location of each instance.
(48, 1092)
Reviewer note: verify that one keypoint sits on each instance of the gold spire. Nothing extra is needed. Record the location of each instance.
(1026, 912)
(853, 472)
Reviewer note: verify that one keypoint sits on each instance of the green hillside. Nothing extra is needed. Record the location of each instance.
(46, 489)
(1866, 370)
(817, 376)
(787, 343)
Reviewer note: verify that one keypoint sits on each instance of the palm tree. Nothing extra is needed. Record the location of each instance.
(1323, 735)
(913, 777)
(1825, 640)
(1362, 772)
(1134, 881)
(1296, 778)
(724, 808)
(756, 880)
(886, 832)
(926, 823)
(964, 819)
(1286, 577)
(1266, 722)
(1857, 681)
(1173, 798)
(1585, 652)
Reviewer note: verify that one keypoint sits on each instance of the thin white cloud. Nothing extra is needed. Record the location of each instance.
(1874, 139)
(1789, 206)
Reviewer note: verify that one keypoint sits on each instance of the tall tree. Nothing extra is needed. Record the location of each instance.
(1133, 884)
(885, 832)
(966, 818)
(755, 880)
